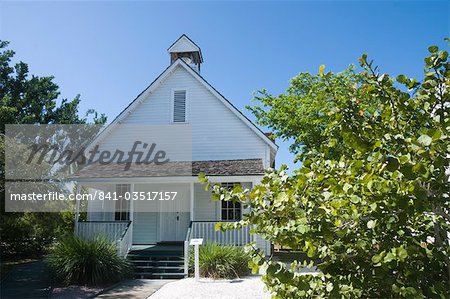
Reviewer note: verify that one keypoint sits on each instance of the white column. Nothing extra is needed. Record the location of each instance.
(131, 202)
(192, 202)
(77, 207)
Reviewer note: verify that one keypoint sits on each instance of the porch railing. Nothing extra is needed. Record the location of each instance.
(111, 230)
(116, 232)
(206, 230)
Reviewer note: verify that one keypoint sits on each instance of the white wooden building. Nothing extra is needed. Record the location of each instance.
(225, 145)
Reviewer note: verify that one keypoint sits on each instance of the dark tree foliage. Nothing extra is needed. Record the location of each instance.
(30, 99)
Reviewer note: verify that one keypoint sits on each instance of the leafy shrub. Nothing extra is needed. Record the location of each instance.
(30, 235)
(221, 261)
(79, 261)
(370, 201)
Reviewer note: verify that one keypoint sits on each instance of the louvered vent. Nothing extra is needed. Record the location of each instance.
(179, 106)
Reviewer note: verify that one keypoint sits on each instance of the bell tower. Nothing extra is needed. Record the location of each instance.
(184, 48)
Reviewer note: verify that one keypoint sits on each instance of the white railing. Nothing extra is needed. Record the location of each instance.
(206, 230)
(125, 241)
(111, 230)
(186, 250)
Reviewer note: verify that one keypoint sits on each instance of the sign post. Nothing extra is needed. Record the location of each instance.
(196, 243)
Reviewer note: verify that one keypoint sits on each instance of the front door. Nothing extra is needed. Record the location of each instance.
(174, 215)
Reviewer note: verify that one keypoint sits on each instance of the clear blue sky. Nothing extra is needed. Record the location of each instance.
(110, 51)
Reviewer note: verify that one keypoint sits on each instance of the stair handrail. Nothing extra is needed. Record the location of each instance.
(124, 241)
(186, 249)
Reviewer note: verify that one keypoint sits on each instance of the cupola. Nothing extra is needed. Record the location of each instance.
(184, 48)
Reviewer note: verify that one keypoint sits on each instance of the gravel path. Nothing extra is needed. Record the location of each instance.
(245, 288)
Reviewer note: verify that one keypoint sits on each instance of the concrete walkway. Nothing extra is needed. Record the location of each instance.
(250, 287)
(134, 289)
(26, 281)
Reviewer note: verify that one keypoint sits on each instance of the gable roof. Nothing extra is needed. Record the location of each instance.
(185, 44)
(149, 90)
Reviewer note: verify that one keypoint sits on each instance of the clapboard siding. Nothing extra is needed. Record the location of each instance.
(205, 209)
(175, 140)
(217, 133)
(145, 227)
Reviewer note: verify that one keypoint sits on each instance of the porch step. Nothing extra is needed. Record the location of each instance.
(156, 254)
(160, 261)
(159, 267)
(147, 275)
(136, 261)
(171, 243)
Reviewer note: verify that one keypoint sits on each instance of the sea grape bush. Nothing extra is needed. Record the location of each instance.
(370, 203)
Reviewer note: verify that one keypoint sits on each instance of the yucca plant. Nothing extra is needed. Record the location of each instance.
(221, 261)
(79, 261)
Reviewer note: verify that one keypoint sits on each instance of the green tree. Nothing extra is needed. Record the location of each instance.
(32, 100)
(370, 204)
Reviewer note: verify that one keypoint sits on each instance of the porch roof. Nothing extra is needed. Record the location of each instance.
(172, 169)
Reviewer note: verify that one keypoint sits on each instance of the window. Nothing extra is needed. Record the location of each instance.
(122, 205)
(179, 106)
(230, 211)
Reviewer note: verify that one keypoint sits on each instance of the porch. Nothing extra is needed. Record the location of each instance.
(133, 223)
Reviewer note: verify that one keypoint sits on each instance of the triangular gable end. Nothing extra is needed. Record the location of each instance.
(155, 84)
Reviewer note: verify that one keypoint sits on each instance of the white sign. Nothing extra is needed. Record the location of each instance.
(196, 242)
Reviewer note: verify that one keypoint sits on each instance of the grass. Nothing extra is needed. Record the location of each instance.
(221, 261)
